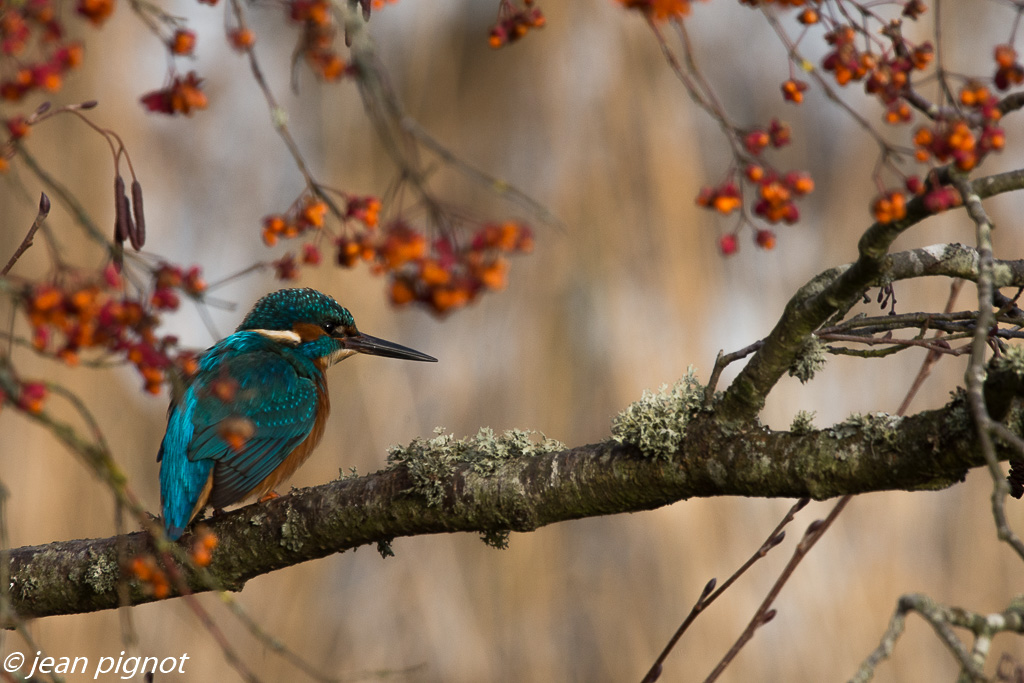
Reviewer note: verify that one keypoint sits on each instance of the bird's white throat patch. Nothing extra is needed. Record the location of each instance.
(283, 336)
(339, 355)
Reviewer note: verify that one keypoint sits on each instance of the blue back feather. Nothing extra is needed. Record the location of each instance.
(276, 393)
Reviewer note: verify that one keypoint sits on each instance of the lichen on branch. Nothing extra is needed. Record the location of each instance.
(656, 424)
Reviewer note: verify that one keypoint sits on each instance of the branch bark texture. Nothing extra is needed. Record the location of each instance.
(433, 492)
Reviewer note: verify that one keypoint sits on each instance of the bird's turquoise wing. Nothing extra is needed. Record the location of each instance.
(243, 413)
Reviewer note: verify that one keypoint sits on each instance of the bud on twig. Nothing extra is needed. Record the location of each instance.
(120, 211)
(140, 219)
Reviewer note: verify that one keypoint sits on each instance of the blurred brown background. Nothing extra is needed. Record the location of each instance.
(586, 117)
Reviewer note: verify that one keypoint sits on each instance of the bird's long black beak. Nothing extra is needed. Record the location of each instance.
(364, 343)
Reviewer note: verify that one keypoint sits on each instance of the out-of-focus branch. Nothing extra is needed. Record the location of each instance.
(942, 619)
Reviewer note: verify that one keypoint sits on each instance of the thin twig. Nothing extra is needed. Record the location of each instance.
(271, 642)
(764, 613)
(933, 355)
(44, 211)
(707, 596)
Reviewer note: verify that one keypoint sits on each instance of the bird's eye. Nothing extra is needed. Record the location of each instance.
(329, 327)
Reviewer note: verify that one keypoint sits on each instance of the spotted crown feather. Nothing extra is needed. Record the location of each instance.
(280, 310)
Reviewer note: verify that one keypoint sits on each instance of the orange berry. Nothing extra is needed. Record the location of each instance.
(47, 297)
(495, 274)
(1005, 55)
(183, 42)
(432, 273)
(209, 540)
(201, 557)
(241, 38)
(726, 204)
(161, 590)
(808, 16)
(142, 568)
(401, 293)
(236, 432)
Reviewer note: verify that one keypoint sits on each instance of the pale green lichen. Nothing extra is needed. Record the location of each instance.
(495, 539)
(293, 532)
(808, 361)
(656, 424)
(431, 462)
(803, 422)
(101, 574)
(877, 427)
(1011, 360)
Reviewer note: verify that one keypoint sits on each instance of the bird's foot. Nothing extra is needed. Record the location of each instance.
(270, 496)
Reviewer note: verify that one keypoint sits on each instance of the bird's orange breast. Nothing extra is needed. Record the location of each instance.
(301, 452)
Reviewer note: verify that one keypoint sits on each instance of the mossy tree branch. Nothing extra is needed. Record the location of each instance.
(490, 488)
(833, 291)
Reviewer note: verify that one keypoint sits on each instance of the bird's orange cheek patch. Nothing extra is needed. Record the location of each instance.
(308, 332)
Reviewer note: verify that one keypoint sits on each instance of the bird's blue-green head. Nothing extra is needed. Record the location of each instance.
(318, 327)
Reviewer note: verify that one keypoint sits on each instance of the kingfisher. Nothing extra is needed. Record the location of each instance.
(256, 407)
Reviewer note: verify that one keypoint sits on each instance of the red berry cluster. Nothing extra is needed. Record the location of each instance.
(152, 577)
(776, 192)
(241, 38)
(955, 140)
(885, 76)
(305, 214)
(514, 22)
(182, 43)
(889, 206)
(17, 128)
(1009, 71)
(724, 199)
(776, 195)
(659, 10)
(203, 546)
(778, 134)
(34, 50)
(308, 215)
(68, 318)
(182, 95)
(783, 3)
(442, 275)
(793, 90)
(96, 11)
(448, 276)
(317, 41)
(31, 397)
(169, 279)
